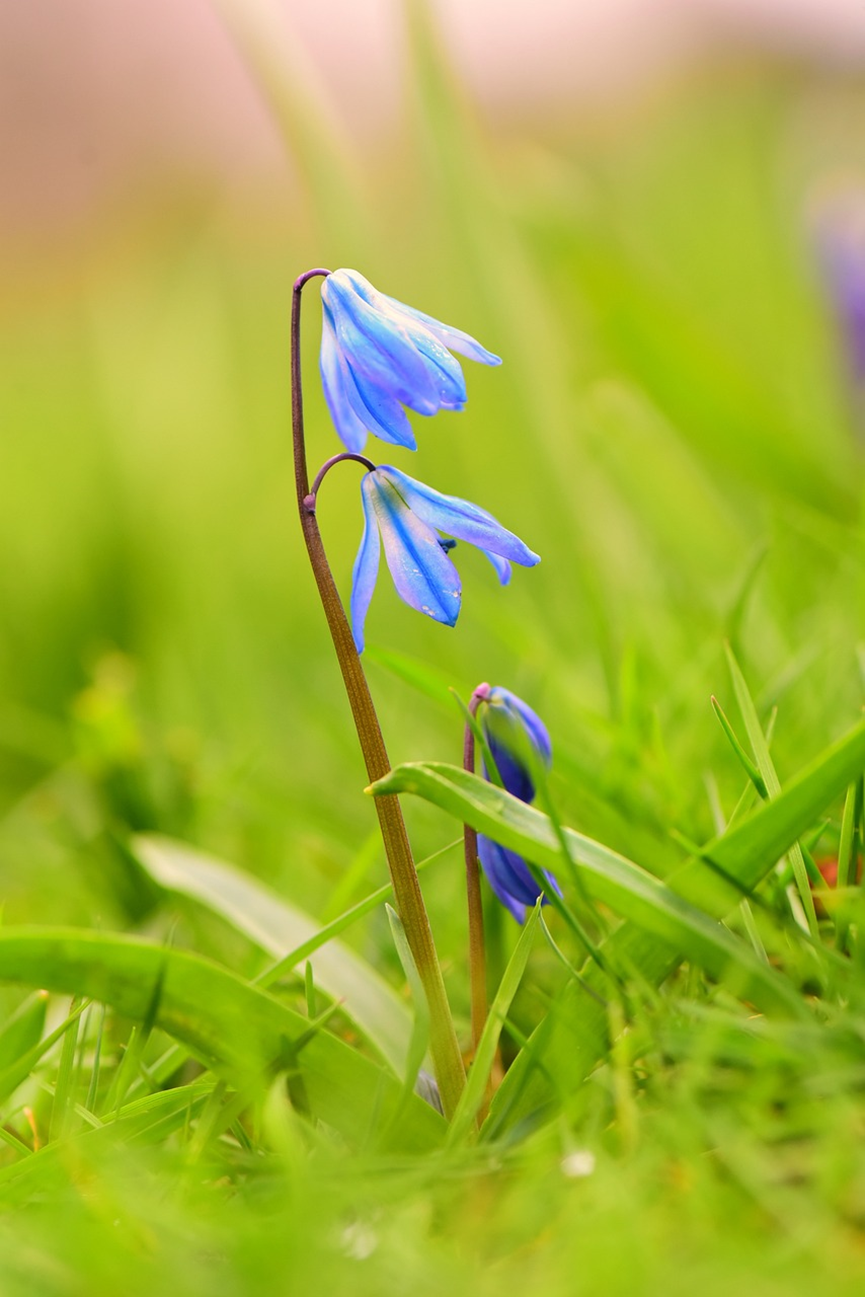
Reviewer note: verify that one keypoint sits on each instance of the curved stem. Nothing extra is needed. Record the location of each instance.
(477, 953)
(309, 500)
(450, 1072)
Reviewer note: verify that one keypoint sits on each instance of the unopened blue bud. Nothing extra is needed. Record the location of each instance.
(516, 735)
(513, 732)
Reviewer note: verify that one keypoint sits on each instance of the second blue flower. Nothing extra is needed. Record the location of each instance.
(406, 516)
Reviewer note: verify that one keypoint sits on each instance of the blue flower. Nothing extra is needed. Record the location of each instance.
(406, 516)
(378, 355)
(513, 731)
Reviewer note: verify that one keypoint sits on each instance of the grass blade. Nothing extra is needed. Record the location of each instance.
(607, 877)
(772, 784)
(272, 923)
(236, 1030)
(472, 1096)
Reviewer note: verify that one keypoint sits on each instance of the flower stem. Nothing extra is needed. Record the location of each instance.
(477, 953)
(444, 1047)
(309, 500)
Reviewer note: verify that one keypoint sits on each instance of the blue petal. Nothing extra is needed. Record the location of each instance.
(455, 339)
(495, 864)
(514, 774)
(509, 725)
(538, 733)
(378, 349)
(510, 877)
(351, 429)
(423, 574)
(443, 370)
(460, 518)
(502, 566)
(373, 406)
(365, 571)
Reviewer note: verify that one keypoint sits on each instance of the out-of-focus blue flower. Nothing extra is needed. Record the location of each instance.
(407, 516)
(841, 246)
(378, 355)
(842, 252)
(513, 732)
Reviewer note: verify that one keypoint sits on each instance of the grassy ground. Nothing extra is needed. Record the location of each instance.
(673, 430)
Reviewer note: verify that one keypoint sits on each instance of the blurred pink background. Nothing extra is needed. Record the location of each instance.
(104, 100)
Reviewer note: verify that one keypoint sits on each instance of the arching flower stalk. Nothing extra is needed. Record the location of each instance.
(444, 1047)
(379, 356)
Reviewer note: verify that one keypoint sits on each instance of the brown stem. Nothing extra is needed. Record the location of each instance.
(444, 1047)
(477, 953)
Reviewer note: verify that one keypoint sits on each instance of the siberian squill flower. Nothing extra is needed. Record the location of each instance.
(378, 355)
(512, 731)
(407, 517)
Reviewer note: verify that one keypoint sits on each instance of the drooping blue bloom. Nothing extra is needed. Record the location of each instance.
(406, 516)
(378, 355)
(512, 731)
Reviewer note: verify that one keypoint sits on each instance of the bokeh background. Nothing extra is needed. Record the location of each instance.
(652, 209)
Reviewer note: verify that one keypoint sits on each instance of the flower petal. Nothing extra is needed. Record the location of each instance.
(455, 339)
(365, 572)
(450, 380)
(460, 518)
(500, 875)
(423, 574)
(351, 429)
(374, 407)
(377, 347)
(510, 878)
(502, 566)
(539, 735)
(510, 727)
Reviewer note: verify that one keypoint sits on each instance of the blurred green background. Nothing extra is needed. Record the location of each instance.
(675, 430)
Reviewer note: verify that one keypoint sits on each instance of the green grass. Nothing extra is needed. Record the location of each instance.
(671, 430)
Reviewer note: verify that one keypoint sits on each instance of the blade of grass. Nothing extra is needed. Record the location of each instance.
(771, 782)
(272, 923)
(847, 851)
(238, 1031)
(420, 1030)
(607, 877)
(59, 1123)
(747, 764)
(472, 1097)
(567, 1045)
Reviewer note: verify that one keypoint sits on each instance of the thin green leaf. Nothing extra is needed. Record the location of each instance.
(237, 1031)
(772, 784)
(567, 1045)
(575, 1034)
(289, 962)
(846, 852)
(23, 1030)
(747, 764)
(63, 1097)
(420, 1030)
(367, 1000)
(479, 1073)
(11, 1077)
(630, 891)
